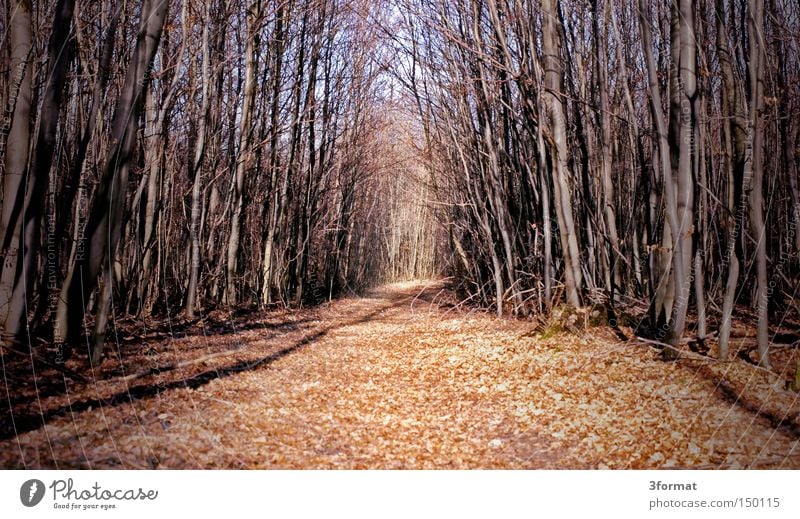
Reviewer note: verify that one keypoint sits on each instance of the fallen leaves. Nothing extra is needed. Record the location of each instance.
(381, 384)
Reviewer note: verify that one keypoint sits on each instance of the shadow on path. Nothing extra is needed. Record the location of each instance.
(12, 426)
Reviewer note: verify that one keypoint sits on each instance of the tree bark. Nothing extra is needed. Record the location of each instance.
(734, 132)
(551, 46)
(15, 266)
(196, 173)
(244, 153)
(606, 155)
(686, 86)
(755, 167)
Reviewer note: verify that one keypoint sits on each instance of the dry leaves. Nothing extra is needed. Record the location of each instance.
(395, 381)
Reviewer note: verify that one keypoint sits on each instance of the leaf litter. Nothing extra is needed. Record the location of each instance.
(401, 379)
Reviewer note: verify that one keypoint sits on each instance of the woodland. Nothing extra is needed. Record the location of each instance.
(400, 233)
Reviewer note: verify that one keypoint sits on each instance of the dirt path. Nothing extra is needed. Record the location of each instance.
(394, 380)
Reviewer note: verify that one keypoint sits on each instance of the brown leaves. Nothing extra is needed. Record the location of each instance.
(423, 389)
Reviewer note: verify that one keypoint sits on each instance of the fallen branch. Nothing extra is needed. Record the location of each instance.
(778, 346)
(703, 358)
(686, 354)
(174, 366)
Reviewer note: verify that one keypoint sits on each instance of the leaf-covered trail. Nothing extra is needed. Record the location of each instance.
(393, 380)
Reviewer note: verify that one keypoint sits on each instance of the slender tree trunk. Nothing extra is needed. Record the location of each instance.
(154, 127)
(606, 155)
(244, 153)
(551, 46)
(60, 56)
(274, 202)
(15, 267)
(755, 167)
(74, 185)
(687, 154)
(733, 112)
(196, 172)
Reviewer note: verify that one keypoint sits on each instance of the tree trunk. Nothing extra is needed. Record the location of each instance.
(273, 198)
(60, 55)
(244, 153)
(755, 167)
(606, 155)
(75, 183)
(551, 46)
(734, 133)
(196, 173)
(15, 267)
(687, 153)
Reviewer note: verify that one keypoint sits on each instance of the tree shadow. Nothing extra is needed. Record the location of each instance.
(12, 425)
(180, 329)
(32, 376)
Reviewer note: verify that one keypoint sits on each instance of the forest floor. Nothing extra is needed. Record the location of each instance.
(400, 378)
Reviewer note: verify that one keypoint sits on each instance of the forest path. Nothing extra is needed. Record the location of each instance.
(398, 379)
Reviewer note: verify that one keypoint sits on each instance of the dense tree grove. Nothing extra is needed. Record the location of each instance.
(617, 153)
(172, 156)
(165, 156)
